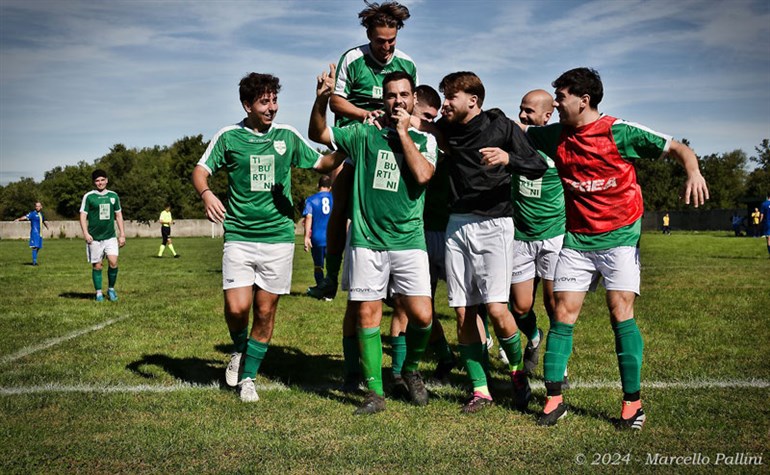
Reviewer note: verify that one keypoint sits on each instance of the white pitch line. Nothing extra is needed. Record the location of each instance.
(55, 341)
(184, 386)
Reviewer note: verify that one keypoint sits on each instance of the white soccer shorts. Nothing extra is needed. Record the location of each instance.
(479, 259)
(373, 273)
(535, 258)
(266, 265)
(579, 271)
(96, 251)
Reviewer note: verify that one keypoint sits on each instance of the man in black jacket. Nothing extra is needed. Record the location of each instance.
(484, 148)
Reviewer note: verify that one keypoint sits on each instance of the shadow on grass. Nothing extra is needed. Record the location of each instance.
(77, 295)
(190, 370)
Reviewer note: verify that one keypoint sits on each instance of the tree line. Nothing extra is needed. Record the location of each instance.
(148, 178)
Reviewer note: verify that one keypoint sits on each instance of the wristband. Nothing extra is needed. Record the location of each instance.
(204, 191)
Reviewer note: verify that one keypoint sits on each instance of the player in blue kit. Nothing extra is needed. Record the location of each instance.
(318, 208)
(36, 222)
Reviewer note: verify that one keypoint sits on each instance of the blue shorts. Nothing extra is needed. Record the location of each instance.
(35, 240)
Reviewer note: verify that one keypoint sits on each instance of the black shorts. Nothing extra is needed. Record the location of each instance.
(165, 232)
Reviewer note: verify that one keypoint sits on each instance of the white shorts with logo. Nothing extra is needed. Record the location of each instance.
(373, 273)
(535, 258)
(435, 242)
(579, 271)
(96, 251)
(479, 259)
(266, 265)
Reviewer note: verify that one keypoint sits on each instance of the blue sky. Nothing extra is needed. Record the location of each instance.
(77, 77)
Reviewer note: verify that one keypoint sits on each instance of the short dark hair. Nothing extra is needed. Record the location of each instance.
(390, 14)
(428, 96)
(397, 76)
(465, 81)
(255, 85)
(581, 81)
(325, 181)
(98, 173)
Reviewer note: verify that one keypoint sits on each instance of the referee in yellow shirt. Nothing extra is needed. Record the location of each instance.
(165, 231)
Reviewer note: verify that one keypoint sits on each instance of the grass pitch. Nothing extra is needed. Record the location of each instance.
(137, 385)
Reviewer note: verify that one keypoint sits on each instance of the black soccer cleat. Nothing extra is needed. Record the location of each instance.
(373, 403)
(476, 403)
(326, 290)
(532, 354)
(399, 389)
(635, 422)
(418, 394)
(552, 417)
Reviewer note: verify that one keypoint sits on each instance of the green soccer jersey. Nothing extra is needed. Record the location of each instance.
(258, 165)
(359, 78)
(387, 203)
(538, 205)
(100, 209)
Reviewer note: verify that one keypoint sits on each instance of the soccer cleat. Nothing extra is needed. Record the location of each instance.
(637, 418)
(443, 370)
(417, 392)
(112, 295)
(326, 290)
(99, 297)
(521, 390)
(399, 389)
(635, 422)
(373, 403)
(177, 256)
(248, 391)
(477, 402)
(233, 369)
(532, 354)
(554, 410)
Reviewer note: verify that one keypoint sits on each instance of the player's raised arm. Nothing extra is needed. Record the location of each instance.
(695, 189)
(317, 129)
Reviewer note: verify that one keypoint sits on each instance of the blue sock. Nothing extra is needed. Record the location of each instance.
(34, 256)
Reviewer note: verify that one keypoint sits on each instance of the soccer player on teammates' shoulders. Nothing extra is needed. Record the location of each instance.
(594, 154)
(538, 215)
(36, 223)
(387, 242)
(357, 97)
(99, 212)
(484, 148)
(257, 154)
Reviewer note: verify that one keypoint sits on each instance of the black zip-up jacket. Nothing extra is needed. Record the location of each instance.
(475, 187)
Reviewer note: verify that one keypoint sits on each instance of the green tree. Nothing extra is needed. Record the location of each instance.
(758, 181)
(726, 177)
(66, 186)
(19, 198)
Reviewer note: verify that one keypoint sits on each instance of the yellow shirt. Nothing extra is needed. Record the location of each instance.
(665, 220)
(755, 217)
(165, 218)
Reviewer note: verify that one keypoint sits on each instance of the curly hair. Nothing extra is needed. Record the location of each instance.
(389, 14)
(255, 85)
